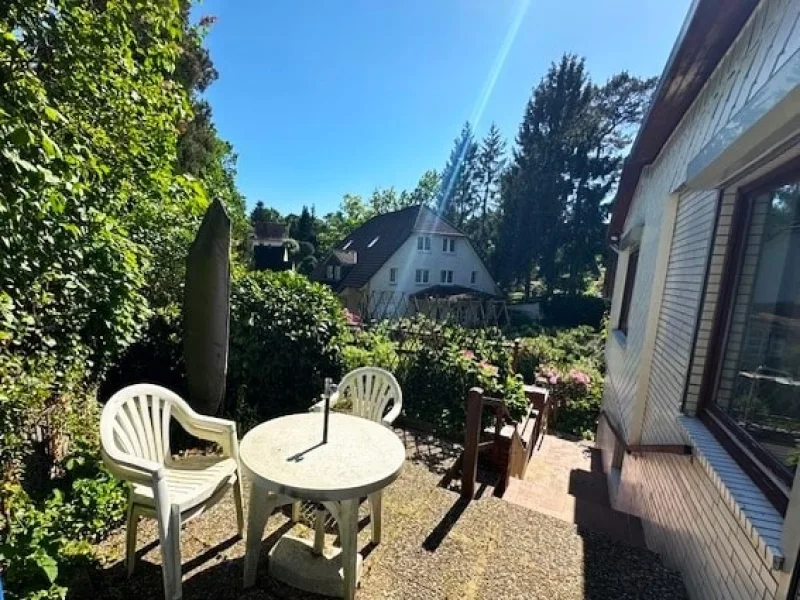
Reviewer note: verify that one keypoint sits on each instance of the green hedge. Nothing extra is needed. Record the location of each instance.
(573, 311)
(283, 342)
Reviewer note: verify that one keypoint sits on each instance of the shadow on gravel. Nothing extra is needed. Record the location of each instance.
(437, 535)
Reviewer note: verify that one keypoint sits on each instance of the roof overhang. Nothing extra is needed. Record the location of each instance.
(708, 31)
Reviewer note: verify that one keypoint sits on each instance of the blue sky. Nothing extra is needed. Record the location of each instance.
(331, 97)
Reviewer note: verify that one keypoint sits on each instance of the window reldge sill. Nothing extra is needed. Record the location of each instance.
(748, 504)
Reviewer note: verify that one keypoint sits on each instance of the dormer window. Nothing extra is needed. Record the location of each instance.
(373, 242)
(334, 272)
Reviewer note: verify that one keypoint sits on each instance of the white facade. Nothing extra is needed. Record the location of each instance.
(463, 261)
(702, 514)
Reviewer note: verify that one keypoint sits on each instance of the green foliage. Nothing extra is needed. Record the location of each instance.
(572, 362)
(574, 311)
(579, 347)
(436, 365)
(436, 380)
(482, 228)
(98, 205)
(91, 212)
(458, 199)
(156, 357)
(579, 395)
(354, 211)
(567, 159)
(369, 349)
(47, 542)
(283, 343)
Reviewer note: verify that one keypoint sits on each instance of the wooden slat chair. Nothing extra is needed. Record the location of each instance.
(134, 434)
(373, 394)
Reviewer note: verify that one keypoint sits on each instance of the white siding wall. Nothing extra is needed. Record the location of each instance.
(677, 318)
(408, 259)
(685, 516)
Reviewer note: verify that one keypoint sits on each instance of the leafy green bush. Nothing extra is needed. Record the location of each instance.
(566, 348)
(156, 357)
(46, 543)
(437, 364)
(95, 217)
(436, 381)
(283, 342)
(369, 349)
(579, 395)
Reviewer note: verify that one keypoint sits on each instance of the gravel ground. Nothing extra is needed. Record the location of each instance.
(434, 547)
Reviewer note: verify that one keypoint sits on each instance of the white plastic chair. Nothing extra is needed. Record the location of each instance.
(134, 435)
(373, 394)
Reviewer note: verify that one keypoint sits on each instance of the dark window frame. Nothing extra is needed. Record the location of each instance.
(627, 291)
(763, 468)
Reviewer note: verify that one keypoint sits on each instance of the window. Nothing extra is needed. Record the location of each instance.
(446, 276)
(424, 243)
(448, 245)
(373, 242)
(752, 386)
(393, 275)
(473, 278)
(347, 245)
(421, 276)
(627, 292)
(334, 272)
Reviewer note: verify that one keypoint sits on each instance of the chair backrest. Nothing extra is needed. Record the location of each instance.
(372, 391)
(135, 422)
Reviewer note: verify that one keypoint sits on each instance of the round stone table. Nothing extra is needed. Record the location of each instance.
(286, 461)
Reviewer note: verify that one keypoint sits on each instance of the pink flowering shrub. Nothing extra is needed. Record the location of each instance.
(353, 319)
(579, 378)
(578, 395)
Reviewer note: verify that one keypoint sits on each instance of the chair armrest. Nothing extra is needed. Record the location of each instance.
(393, 414)
(320, 406)
(213, 429)
(133, 469)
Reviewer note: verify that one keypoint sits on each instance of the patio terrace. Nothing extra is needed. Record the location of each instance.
(435, 544)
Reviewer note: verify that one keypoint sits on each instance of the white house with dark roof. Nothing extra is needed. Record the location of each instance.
(408, 254)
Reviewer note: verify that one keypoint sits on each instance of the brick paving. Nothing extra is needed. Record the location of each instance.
(565, 480)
